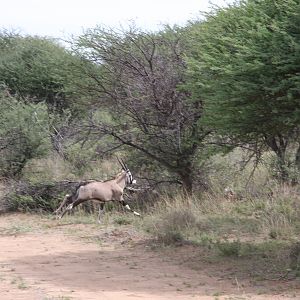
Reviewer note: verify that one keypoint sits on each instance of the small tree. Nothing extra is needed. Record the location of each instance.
(39, 70)
(137, 81)
(23, 134)
(246, 65)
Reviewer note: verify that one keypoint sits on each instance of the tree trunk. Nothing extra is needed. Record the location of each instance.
(295, 180)
(297, 158)
(278, 145)
(282, 167)
(187, 183)
(186, 176)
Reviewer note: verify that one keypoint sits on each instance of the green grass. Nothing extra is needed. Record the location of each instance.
(58, 298)
(16, 229)
(122, 220)
(19, 281)
(260, 229)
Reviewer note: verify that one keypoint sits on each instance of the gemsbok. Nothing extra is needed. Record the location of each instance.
(102, 191)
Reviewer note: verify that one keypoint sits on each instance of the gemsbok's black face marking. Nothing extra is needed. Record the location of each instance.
(129, 178)
(111, 190)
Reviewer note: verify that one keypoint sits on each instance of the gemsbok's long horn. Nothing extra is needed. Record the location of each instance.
(126, 168)
(122, 163)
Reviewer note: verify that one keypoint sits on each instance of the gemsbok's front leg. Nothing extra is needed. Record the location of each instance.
(125, 204)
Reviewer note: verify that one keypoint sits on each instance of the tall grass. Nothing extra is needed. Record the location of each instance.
(260, 209)
(216, 219)
(261, 232)
(54, 168)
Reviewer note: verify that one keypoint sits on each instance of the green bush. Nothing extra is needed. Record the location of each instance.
(27, 203)
(170, 227)
(21, 202)
(23, 134)
(39, 197)
(229, 248)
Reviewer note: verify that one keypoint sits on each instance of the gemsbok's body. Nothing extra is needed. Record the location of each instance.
(102, 191)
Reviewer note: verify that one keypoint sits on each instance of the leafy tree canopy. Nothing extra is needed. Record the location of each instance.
(24, 133)
(138, 82)
(38, 69)
(246, 64)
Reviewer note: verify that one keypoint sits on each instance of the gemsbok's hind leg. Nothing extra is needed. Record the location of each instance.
(63, 203)
(68, 208)
(71, 206)
(125, 204)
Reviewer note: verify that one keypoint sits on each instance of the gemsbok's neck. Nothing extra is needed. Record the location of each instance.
(121, 180)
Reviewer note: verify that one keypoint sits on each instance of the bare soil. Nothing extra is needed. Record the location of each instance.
(42, 258)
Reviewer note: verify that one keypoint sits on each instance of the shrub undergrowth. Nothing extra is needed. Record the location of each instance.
(261, 226)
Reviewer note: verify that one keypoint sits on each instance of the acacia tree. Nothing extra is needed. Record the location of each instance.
(136, 77)
(39, 70)
(246, 65)
(23, 134)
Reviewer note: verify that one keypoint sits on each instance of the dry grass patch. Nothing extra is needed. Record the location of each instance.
(262, 228)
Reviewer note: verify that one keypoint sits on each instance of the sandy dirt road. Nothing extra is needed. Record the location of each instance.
(44, 259)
